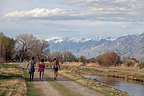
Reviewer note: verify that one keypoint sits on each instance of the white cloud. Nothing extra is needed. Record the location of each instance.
(39, 12)
(34, 13)
(46, 14)
(97, 10)
(115, 10)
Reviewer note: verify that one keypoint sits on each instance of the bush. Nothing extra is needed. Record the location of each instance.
(91, 60)
(130, 62)
(83, 59)
(108, 59)
(141, 65)
(69, 57)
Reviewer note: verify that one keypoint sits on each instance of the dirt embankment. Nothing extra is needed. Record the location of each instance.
(108, 72)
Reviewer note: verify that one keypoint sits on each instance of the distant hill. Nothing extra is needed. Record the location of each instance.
(126, 46)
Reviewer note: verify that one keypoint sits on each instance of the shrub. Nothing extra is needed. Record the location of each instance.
(91, 60)
(108, 59)
(83, 59)
(141, 65)
(130, 62)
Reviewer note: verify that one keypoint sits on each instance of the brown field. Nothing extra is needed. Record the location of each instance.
(12, 87)
(123, 66)
(11, 84)
(10, 71)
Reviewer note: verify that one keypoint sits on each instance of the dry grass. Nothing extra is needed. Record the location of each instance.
(123, 66)
(48, 64)
(11, 83)
(92, 65)
(135, 67)
(77, 64)
(12, 87)
(73, 63)
(10, 71)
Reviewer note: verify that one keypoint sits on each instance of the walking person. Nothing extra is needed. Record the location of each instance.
(56, 67)
(31, 69)
(41, 69)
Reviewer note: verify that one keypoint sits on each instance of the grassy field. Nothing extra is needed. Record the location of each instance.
(11, 81)
(14, 81)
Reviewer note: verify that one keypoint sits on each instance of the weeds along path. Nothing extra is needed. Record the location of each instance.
(74, 87)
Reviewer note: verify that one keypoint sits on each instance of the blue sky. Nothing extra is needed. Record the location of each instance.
(71, 18)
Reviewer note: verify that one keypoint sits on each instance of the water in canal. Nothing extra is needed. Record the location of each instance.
(132, 88)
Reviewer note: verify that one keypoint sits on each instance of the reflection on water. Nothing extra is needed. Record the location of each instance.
(130, 87)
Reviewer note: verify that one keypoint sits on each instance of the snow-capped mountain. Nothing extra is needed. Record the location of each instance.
(75, 45)
(77, 40)
(127, 46)
(110, 38)
(55, 39)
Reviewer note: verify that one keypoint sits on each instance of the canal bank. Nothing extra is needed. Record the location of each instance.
(133, 88)
(92, 84)
(128, 79)
(128, 75)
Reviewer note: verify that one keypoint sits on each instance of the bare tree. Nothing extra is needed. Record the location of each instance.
(25, 43)
(28, 46)
(68, 56)
(6, 47)
(57, 55)
(41, 49)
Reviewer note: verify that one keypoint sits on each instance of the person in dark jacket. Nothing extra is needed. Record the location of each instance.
(31, 69)
(56, 67)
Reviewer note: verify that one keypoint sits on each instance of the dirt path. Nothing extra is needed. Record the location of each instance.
(74, 87)
(44, 88)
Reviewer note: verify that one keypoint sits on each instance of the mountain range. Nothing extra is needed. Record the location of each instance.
(125, 46)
